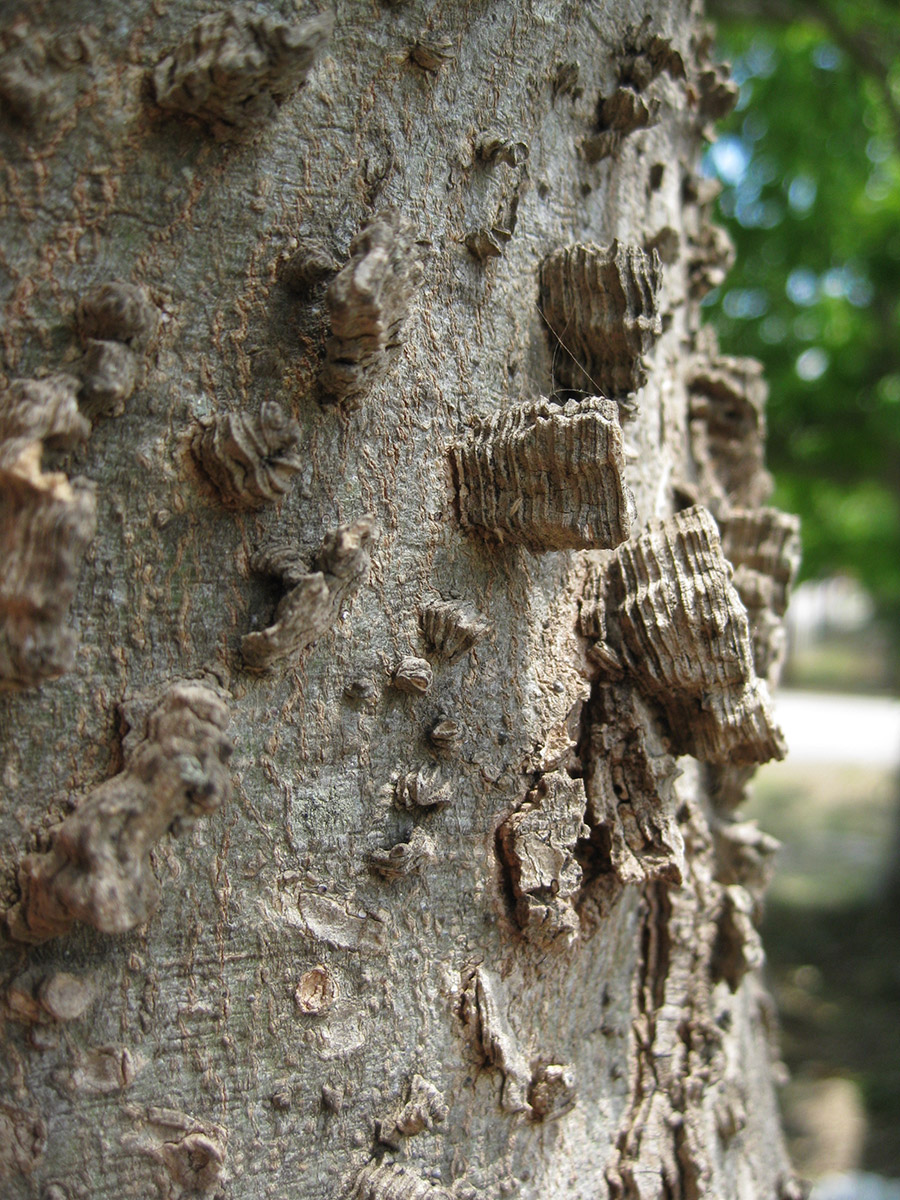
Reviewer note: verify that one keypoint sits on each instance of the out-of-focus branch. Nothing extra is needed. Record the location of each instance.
(872, 56)
(874, 60)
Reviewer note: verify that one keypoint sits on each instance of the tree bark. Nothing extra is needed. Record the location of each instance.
(360, 592)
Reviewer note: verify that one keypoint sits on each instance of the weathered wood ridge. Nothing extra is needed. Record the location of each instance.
(387, 610)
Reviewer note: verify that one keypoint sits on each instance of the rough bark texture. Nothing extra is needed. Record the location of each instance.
(357, 499)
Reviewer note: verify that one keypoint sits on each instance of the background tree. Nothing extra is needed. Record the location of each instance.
(810, 163)
(299, 565)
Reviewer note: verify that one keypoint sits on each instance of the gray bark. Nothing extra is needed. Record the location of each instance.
(455, 924)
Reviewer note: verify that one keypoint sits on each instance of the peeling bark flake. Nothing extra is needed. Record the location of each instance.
(481, 1010)
(423, 1109)
(763, 546)
(406, 858)
(537, 844)
(548, 476)
(727, 429)
(119, 312)
(420, 789)
(495, 148)
(623, 113)
(97, 869)
(644, 56)
(600, 307)
(431, 52)
(413, 676)
(236, 68)
(451, 630)
(23, 1139)
(46, 524)
(683, 634)
(395, 1181)
(631, 804)
(368, 305)
(316, 599)
(553, 1091)
(249, 460)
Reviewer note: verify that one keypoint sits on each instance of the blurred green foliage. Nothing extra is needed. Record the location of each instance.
(810, 167)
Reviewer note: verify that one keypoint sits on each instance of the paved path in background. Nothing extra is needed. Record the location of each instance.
(829, 729)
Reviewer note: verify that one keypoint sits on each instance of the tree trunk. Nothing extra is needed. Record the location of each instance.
(357, 416)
